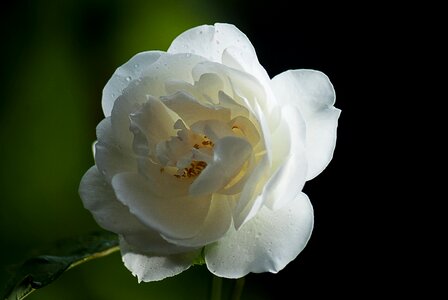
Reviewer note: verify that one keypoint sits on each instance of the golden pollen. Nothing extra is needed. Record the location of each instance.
(207, 143)
(195, 168)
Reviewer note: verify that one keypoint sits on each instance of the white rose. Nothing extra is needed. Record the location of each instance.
(201, 153)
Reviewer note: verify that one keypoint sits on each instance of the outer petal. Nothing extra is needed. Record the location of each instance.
(124, 74)
(111, 157)
(159, 212)
(312, 92)
(149, 267)
(211, 42)
(99, 198)
(268, 242)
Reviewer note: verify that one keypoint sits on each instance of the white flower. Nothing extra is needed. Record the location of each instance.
(201, 153)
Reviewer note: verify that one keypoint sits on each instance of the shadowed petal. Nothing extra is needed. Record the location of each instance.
(150, 267)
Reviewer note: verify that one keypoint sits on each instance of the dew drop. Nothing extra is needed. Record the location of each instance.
(200, 32)
(217, 42)
(128, 78)
(188, 55)
(136, 66)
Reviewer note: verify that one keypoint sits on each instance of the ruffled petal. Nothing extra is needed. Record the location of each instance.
(230, 154)
(312, 92)
(150, 125)
(150, 267)
(191, 110)
(266, 243)
(177, 217)
(131, 70)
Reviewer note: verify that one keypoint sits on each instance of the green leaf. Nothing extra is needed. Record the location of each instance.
(41, 270)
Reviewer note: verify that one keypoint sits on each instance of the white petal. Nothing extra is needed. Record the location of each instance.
(125, 105)
(215, 226)
(149, 267)
(244, 84)
(173, 86)
(111, 157)
(224, 44)
(211, 42)
(213, 129)
(99, 198)
(124, 74)
(230, 154)
(168, 69)
(236, 108)
(251, 198)
(288, 158)
(111, 161)
(150, 125)
(150, 241)
(267, 243)
(246, 128)
(312, 92)
(191, 110)
(209, 85)
(178, 217)
(161, 183)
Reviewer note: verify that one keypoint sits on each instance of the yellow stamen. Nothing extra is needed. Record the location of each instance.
(194, 170)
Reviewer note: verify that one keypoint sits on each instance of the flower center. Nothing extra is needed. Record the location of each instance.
(195, 168)
(186, 155)
(206, 143)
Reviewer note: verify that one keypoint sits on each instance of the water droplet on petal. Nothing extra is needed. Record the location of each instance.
(217, 42)
(188, 55)
(200, 32)
(129, 78)
(136, 66)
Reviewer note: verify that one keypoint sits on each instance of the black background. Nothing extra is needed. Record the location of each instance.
(370, 216)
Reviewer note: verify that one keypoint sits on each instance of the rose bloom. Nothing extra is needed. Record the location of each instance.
(202, 155)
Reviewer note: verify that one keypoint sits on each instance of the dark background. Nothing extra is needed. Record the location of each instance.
(57, 57)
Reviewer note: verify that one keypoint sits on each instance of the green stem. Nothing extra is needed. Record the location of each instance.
(238, 289)
(216, 288)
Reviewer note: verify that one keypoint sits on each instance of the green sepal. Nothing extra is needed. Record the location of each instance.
(200, 259)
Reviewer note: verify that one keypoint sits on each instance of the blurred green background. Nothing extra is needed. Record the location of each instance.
(57, 57)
